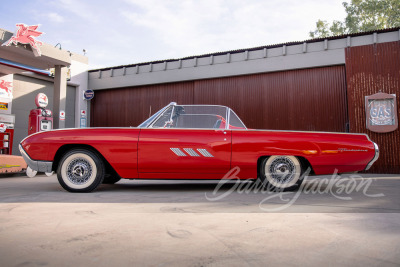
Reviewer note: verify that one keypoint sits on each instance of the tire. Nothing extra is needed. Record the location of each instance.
(80, 171)
(111, 179)
(281, 173)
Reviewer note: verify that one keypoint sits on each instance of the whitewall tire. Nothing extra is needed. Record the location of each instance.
(80, 170)
(281, 173)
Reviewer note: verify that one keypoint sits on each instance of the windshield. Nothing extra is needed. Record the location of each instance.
(146, 123)
(194, 117)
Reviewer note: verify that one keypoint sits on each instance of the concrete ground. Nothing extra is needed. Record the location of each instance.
(351, 221)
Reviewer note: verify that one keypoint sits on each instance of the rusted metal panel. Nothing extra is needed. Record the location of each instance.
(307, 99)
(372, 69)
(130, 106)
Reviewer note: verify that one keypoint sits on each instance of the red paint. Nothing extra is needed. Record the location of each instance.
(6, 86)
(26, 35)
(146, 153)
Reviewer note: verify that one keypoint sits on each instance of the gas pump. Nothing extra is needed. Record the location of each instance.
(40, 119)
(6, 133)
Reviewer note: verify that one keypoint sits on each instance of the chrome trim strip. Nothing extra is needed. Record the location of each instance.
(374, 159)
(228, 118)
(205, 153)
(191, 152)
(178, 152)
(36, 165)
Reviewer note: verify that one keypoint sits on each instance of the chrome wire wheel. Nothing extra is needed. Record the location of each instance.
(282, 172)
(80, 171)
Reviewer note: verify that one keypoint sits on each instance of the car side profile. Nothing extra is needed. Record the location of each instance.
(193, 142)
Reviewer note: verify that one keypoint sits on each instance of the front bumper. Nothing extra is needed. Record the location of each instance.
(374, 159)
(36, 165)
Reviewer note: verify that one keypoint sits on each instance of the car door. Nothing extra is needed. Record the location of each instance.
(190, 152)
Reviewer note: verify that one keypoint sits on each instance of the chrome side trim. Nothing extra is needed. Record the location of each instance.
(205, 153)
(178, 152)
(374, 159)
(191, 152)
(36, 165)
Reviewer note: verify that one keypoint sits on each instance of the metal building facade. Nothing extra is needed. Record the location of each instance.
(290, 100)
(371, 69)
(316, 85)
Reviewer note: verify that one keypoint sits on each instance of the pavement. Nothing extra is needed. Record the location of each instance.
(349, 221)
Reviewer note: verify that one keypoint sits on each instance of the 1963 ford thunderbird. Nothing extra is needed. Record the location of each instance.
(193, 142)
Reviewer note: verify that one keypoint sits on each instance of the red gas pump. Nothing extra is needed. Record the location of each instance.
(40, 119)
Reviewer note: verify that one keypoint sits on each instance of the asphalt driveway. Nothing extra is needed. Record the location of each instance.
(351, 221)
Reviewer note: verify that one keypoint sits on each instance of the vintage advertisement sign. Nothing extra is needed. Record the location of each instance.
(6, 89)
(3, 127)
(62, 115)
(381, 112)
(26, 35)
(83, 123)
(4, 106)
(41, 100)
(88, 95)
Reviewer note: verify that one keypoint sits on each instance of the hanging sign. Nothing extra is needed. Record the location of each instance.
(381, 112)
(26, 35)
(88, 95)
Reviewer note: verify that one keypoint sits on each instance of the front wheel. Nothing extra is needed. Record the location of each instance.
(80, 170)
(281, 173)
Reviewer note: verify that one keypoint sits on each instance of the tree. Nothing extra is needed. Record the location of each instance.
(362, 16)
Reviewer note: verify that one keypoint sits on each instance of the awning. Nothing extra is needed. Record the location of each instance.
(20, 66)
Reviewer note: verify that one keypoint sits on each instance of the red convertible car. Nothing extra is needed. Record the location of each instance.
(193, 142)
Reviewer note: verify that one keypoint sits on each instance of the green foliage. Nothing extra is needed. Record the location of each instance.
(362, 15)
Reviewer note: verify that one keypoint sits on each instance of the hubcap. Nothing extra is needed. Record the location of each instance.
(79, 171)
(282, 170)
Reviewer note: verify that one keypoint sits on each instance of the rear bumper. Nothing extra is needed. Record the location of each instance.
(36, 165)
(375, 158)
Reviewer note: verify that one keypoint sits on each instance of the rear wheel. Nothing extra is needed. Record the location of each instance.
(281, 173)
(80, 170)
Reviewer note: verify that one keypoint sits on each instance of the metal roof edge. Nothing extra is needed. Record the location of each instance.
(314, 40)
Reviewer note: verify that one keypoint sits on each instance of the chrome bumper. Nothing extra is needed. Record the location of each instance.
(40, 166)
(374, 159)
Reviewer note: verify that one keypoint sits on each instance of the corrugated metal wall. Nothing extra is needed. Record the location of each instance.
(371, 69)
(308, 99)
(130, 106)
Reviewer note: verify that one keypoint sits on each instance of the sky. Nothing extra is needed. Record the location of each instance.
(120, 32)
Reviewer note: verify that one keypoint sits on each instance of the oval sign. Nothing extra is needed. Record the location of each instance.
(88, 94)
(41, 100)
